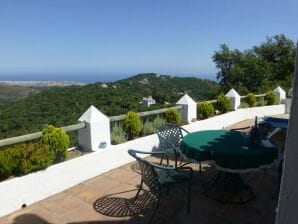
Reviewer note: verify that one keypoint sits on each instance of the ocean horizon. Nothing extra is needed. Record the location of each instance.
(84, 78)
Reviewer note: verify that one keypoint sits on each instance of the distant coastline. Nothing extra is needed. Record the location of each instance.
(42, 83)
(79, 78)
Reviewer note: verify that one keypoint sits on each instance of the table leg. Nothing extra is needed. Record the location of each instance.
(228, 187)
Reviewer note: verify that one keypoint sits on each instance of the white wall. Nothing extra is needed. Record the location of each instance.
(40, 185)
(224, 120)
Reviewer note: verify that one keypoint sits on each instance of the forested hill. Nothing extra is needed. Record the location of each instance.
(62, 106)
(10, 93)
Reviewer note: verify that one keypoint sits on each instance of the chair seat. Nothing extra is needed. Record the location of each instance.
(172, 176)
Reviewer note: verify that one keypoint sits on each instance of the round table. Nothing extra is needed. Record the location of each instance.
(229, 149)
(232, 154)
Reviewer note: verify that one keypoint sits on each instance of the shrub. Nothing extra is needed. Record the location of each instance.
(270, 98)
(205, 110)
(118, 134)
(244, 104)
(7, 164)
(261, 101)
(251, 99)
(172, 116)
(57, 140)
(223, 103)
(132, 124)
(31, 157)
(25, 158)
(158, 122)
(148, 128)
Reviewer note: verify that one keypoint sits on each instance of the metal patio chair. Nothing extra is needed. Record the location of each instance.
(155, 177)
(170, 137)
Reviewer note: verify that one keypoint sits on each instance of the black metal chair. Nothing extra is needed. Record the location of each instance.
(155, 177)
(170, 139)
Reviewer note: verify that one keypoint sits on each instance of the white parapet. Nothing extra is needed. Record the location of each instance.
(189, 108)
(96, 135)
(280, 93)
(235, 98)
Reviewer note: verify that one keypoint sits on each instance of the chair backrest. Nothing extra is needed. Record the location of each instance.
(148, 174)
(170, 135)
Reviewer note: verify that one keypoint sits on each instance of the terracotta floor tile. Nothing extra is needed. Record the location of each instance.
(122, 175)
(85, 193)
(134, 182)
(68, 204)
(103, 183)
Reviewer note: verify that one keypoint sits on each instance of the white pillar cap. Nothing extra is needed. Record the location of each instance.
(186, 100)
(93, 115)
(232, 93)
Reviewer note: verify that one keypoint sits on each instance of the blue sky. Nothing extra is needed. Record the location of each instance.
(106, 39)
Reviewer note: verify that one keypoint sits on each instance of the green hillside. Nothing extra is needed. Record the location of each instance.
(63, 106)
(10, 93)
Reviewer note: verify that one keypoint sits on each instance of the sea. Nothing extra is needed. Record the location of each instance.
(84, 78)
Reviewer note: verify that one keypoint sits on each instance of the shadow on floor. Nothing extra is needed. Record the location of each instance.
(136, 207)
(29, 219)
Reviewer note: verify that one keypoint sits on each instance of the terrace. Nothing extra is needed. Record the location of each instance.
(70, 192)
(76, 205)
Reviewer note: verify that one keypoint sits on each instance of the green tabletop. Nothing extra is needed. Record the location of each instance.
(229, 149)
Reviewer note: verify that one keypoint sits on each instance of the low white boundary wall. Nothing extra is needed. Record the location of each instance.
(42, 184)
(224, 120)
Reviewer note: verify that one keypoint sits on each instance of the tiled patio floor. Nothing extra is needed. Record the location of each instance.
(75, 205)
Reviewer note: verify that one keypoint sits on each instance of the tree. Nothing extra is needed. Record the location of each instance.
(279, 52)
(258, 69)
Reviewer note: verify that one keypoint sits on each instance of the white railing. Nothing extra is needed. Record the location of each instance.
(75, 127)
(36, 135)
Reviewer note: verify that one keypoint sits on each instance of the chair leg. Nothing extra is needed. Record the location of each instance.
(161, 159)
(189, 194)
(155, 209)
(139, 190)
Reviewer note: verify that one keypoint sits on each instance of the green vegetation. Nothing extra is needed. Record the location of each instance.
(11, 93)
(24, 158)
(172, 116)
(31, 157)
(132, 124)
(270, 98)
(251, 99)
(150, 127)
(57, 140)
(7, 164)
(118, 135)
(158, 122)
(205, 110)
(261, 101)
(62, 106)
(223, 103)
(258, 69)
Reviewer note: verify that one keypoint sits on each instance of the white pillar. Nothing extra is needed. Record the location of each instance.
(189, 108)
(234, 98)
(96, 135)
(288, 195)
(280, 93)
